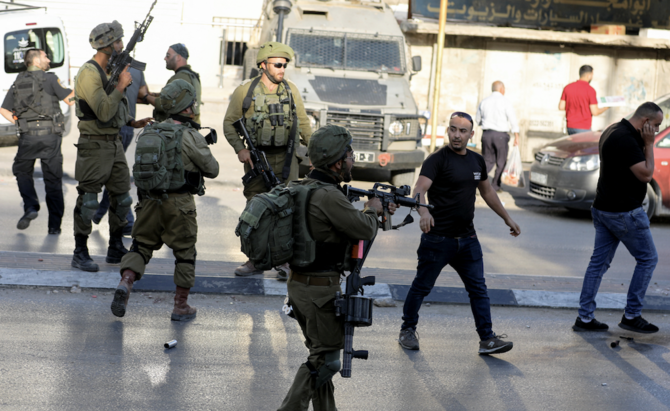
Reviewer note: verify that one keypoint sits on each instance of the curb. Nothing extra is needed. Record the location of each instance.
(264, 286)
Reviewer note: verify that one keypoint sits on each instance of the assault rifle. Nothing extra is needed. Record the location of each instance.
(118, 61)
(353, 305)
(388, 194)
(260, 162)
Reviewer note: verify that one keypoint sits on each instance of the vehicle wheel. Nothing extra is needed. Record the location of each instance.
(402, 178)
(249, 64)
(650, 201)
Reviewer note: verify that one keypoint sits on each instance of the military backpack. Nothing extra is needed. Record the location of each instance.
(158, 164)
(273, 227)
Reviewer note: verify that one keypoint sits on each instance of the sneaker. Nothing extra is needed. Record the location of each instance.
(24, 222)
(283, 272)
(96, 219)
(409, 339)
(54, 231)
(593, 325)
(495, 345)
(247, 269)
(638, 325)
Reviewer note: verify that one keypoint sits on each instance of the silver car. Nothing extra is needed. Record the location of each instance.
(565, 172)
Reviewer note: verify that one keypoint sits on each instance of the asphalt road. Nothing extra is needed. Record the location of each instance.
(554, 242)
(67, 352)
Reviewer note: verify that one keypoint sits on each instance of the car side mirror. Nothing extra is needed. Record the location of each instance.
(416, 63)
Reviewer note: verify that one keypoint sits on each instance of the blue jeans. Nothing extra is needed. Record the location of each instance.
(465, 256)
(127, 134)
(572, 131)
(632, 229)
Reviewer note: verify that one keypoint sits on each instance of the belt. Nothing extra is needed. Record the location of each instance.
(33, 132)
(311, 280)
(104, 137)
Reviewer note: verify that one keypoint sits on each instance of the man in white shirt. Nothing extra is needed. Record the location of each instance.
(496, 117)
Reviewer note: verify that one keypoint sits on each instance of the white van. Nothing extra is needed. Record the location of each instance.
(22, 28)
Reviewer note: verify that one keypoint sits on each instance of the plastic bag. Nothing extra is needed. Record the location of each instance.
(513, 173)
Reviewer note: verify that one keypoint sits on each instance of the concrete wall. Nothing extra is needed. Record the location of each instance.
(534, 74)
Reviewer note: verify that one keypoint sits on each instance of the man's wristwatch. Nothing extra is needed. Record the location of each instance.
(144, 99)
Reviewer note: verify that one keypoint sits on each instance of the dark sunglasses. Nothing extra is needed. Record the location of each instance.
(279, 65)
(462, 115)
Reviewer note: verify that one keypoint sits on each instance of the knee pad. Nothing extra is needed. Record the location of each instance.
(89, 205)
(123, 203)
(329, 368)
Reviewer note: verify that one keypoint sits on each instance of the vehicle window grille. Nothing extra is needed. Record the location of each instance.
(352, 51)
(367, 131)
(544, 191)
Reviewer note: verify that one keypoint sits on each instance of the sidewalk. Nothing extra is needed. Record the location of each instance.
(217, 277)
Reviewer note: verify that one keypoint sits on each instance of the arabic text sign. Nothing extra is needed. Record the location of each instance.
(552, 13)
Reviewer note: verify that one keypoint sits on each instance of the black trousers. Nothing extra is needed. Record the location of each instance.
(48, 150)
(495, 146)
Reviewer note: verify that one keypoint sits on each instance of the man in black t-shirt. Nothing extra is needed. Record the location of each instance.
(34, 107)
(626, 166)
(450, 177)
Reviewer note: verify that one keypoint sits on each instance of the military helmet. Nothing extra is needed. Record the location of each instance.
(328, 145)
(177, 96)
(105, 34)
(274, 49)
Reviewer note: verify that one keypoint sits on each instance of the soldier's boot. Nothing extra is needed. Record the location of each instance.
(182, 311)
(122, 293)
(116, 249)
(81, 259)
(247, 269)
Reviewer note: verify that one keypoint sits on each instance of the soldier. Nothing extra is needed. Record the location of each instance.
(100, 156)
(176, 60)
(333, 223)
(274, 113)
(168, 216)
(34, 100)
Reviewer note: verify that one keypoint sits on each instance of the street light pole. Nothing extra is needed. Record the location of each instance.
(437, 76)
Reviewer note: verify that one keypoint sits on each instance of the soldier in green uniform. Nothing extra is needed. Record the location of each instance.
(100, 156)
(275, 114)
(333, 223)
(176, 59)
(169, 216)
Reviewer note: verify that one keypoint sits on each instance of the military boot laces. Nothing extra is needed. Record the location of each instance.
(116, 249)
(182, 311)
(81, 259)
(122, 293)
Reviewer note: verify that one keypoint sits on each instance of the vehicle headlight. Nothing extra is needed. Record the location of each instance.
(582, 163)
(396, 128)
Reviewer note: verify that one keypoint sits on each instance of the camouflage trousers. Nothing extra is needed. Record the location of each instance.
(315, 312)
(100, 163)
(172, 222)
(276, 161)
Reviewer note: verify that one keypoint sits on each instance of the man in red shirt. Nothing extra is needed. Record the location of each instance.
(580, 103)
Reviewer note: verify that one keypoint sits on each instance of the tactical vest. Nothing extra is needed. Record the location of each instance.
(37, 112)
(86, 113)
(159, 167)
(273, 122)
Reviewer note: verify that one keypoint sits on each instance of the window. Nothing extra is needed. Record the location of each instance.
(235, 52)
(350, 51)
(665, 143)
(17, 42)
(236, 32)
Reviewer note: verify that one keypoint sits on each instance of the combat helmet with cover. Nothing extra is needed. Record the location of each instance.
(105, 34)
(328, 145)
(274, 49)
(159, 168)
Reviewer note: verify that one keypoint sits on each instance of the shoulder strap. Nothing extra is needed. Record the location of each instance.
(193, 73)
(290, 146)
(103, 75)
(247, 100)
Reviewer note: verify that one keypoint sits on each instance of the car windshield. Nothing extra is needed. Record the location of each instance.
(350, 51)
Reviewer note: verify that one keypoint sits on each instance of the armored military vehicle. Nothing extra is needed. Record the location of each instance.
(353, 67)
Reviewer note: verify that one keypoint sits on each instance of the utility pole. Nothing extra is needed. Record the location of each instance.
(437, 76)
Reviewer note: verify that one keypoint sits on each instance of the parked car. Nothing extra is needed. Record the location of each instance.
(565, 172)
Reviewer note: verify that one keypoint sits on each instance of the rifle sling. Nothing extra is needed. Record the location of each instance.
(89, 114)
